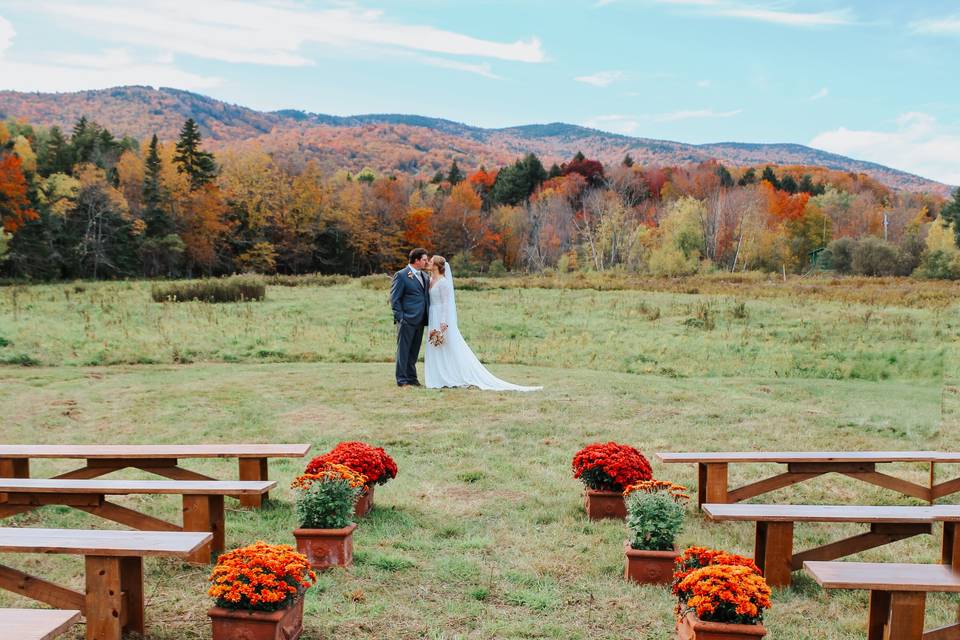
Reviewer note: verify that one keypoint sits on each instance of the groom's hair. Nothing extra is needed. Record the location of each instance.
(416, 254)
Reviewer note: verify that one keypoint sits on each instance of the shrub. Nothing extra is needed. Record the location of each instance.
(839, 255)
(308, 280)
(939, 265)
(497, 268)
(462, 264)
(610, 466)
(233, 289)
(372, 462)
(655, 514)
(326, 499)
(874, 257)
(379, 282)
(726, 593)
(260, 577)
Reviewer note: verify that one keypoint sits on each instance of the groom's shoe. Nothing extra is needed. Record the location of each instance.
(414, 384)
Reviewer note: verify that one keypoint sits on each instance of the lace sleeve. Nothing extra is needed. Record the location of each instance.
(445, 302)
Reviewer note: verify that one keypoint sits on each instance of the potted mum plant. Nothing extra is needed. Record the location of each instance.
(726, 602)
(720, 596)
(606, 469)
(655, 512)
(259, 593)
(367, 460)
(325, 503)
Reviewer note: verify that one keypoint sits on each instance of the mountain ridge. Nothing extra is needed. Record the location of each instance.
(403, 142)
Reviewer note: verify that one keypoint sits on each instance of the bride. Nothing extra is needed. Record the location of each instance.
(449, 362)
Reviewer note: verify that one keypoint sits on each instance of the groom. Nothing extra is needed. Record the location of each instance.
(410, 301)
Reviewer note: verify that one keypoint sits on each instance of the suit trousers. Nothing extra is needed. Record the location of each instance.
(409, 337)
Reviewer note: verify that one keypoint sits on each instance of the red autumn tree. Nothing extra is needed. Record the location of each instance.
(15, 208)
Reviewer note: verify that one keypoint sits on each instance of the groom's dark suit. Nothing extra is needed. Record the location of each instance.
(410, 301)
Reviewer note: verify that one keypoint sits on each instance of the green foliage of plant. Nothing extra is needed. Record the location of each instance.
(326, 504)
(234, 289)
(655, 519)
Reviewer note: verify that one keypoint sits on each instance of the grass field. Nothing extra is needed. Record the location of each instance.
(482, 534)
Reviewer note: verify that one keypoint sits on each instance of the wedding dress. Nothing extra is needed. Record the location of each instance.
(452, 364)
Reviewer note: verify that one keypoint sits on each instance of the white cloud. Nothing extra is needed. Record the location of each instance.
(765, 12)
(76, 72)
(949, 26)
(601, 78)
(614, 123)
(918, 144)
(819, 95)
(688, 114)
(482, 69)
(265, 33)
(704, 84)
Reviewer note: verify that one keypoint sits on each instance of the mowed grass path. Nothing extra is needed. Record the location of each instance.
(482, 535)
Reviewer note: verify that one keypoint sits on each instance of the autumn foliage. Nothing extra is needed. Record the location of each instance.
(15, 208)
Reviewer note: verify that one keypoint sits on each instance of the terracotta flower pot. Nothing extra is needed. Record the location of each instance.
(242, 624)
(326, 548)
(649, 567)
(364, 502)
(690, 627)
(604, 504)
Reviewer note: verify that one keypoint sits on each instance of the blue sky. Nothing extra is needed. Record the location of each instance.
(871, 79)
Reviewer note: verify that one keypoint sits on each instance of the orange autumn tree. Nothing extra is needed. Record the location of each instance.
(418, 229)
(15, 210)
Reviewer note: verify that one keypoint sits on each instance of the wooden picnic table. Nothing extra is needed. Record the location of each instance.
(203, 508)
(773, 547)
(898, 594)
(713, 486)
(36, 624)
(160, 459)
(112, 601)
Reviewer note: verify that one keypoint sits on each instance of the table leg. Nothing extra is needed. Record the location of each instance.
(104, 598)
(253, 469)
(131, 582)
(712, 487)
(773, 551)
(205, 513)
(879, 614)
(906, 615)
(951, 545)
(13, 468)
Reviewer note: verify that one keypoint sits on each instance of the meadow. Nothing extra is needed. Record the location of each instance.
(482, 534)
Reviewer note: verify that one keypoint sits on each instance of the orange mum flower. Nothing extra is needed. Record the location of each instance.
(329, 471)
(725, 593)
(676, 491)
(260, 577)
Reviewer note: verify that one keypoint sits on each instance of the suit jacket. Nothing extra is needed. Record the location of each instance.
(410, 297)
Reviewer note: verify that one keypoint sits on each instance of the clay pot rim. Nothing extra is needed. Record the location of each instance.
(251, 614)
(326, 533)
(637, 553)
(596, 492)
(694, 621)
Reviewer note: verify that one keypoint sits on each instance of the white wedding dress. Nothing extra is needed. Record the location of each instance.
(453, 364)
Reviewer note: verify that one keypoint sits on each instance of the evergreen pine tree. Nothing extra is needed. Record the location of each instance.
(749, 177)
(627, 161)
(579, 157)
(951, 213)
(197, 164)
(455, 176)
(726, 180)
(770, 176)
(555, 171)
(154, 215)
(58, 158)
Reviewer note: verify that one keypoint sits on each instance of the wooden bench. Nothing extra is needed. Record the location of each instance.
(36, 624)
(160, 459)
(713, 484)
(898, 594)
(112, 601)
(203, 508)
(773, 548)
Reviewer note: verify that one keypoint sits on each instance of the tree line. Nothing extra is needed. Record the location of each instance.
(90, 205)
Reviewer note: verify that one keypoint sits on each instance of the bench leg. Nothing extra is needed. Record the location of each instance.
(773, 551)
(253, 469)
(205, 513)
(951, 546)
(131, 582)
(13, 468)
(712, 487)
(879, 614)
(906, 615)
(104, 598)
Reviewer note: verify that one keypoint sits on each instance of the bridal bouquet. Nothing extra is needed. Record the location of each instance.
(436, 337)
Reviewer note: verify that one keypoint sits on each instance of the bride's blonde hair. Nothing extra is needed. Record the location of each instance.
(441, 263)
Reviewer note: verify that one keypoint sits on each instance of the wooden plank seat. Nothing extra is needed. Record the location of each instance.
(160, 459)
(773, 546)
(713, 470)
(898, 594)
(112, 601)
(203, 508)
(36, 624)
